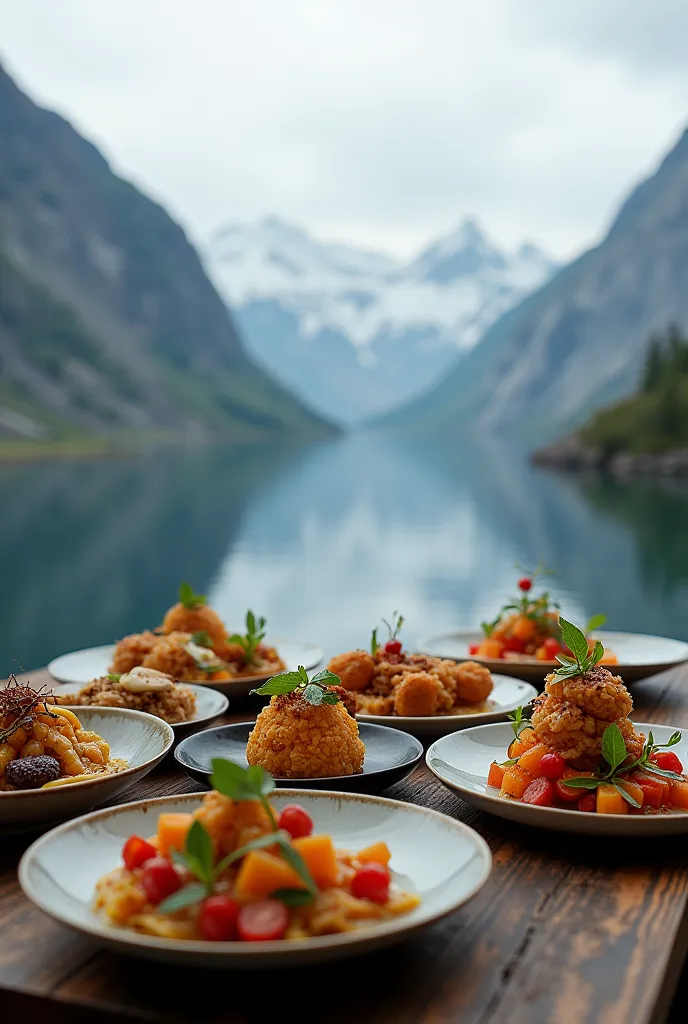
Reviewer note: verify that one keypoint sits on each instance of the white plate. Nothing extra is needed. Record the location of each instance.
(639, 655)
(139, 739)
(209, 705)
(443, 860)
(83, 666)
(507, 695)
(461, 761)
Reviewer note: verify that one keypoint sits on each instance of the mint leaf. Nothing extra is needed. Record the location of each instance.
(596, 655)
(185, 897)
(202, 639)
(285, 682)
(303, 675)
(113, 677)
(575, 639)
(269, 839)
(330, 698)
(313, 694)
(232, 780)
(595, 622)
(260, 781)
(582, 782)
(374, 645)
(199, 846)
(625, 794)
(187, 597)
(296, 861)
(613, 747)
(326, 678)
(292, 897)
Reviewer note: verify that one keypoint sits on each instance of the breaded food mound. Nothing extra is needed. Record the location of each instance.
(131, 651)
(574, 734)
(355, 669)
(420, 693)
(293, 739)
(473, 682)
(174, 705)
(597, 693)
(199, 619)
(169, 656)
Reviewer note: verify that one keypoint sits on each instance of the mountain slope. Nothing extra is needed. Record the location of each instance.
(107, 320)
(356, 332)
(580, 341)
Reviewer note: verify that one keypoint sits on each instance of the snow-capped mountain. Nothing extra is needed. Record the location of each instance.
(354, 332)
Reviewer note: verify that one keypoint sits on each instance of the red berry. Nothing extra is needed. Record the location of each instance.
(552, 766)
(552, 647)
(371, 882)
(540, 792)
(587, 803)
(136, 852)
(393, 647)
(514, 643)
(260, 922)
(295, 821)
(473, 648)
(159, 879)
(667, 760)
(218, 918)
(525, 583)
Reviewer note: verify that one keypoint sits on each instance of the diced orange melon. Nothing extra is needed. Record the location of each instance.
(515, 782)
(377, 853)
(490, 649)
(495, 775)
(320, 857)
(655, 793)
(172, 830)
(530, 758)
(634, 790)
(524, 628)
(610, 801)
(262, 873)
(526, 738)
(679, 794)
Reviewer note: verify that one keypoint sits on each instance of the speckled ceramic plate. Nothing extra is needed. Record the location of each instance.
(390, 755)
(139, 739)
(83, 666)
(639, 655)
(461, 761)
(507, 695)
(209, 705)
(443, 860)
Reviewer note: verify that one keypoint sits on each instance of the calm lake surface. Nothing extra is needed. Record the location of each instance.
(324, 540)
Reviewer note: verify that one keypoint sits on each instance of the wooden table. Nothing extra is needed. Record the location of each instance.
(567, 931)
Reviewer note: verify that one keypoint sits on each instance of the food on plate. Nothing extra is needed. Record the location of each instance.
(193, 646)
(237, 869)
(142, 689)
(388, 681)
(306, 731)
(527, 628)
(579, 749)
(44, 746)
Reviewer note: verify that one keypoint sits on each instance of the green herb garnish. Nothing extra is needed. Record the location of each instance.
(398, 621)
(202, 639)
(315, 691)
(374, 644)
(520, 719)
(113, 677)
(594, 623)
(254, 635)
(583, 659)
(187, 597)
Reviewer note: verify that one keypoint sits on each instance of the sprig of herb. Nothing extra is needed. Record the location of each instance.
(202, 639)
(187, 597)
(398, 621)
(254, 635)
(113, 677)
(197, 858)
(315, 691)
(595, 623)
(374, 643)
(520, 719)
(583, 659)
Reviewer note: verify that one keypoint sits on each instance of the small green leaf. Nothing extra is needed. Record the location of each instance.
(187, 597)
(331, 698)
(250, 623)
(625, 794)
(285, 682)
(260, 780)
(595, 623)
(185, 897)
(374, 645)
(296, 861)
(575, 639)
(232, 780)
(113, 677)
(269, 839)
(596, 655)
(313, 694)
(326, 678)
(199, 845)
(582, 782)
(613, 747)
(303, 675)
(293, 897)
(202, 639)
(650, 766)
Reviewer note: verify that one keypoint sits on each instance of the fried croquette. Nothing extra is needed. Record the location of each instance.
(355, 669)
(197, 619)
(473, 682)
(597, 693)
(293, 739)
(131, 651)
(419, 694)
(170, 655)
(573, 734)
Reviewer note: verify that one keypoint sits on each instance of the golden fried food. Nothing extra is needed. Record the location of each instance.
(293, 739)
(473, 682)
(573, 734)
(197, 619)
(597, 693)
(355, 669)
(171, 656)
(175, 704)
(132, 650)
(420, 694)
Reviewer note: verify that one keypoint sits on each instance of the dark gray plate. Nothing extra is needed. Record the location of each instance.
(389, 756)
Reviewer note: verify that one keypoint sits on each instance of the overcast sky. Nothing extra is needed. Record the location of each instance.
(382, 122)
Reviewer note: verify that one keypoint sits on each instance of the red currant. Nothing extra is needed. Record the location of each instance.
(473, 648)
(393, 647)
(371, 882)
(218, 918)
(295, 821)
(136, 852)
(159, 879)
(552, 766)
(525, 583)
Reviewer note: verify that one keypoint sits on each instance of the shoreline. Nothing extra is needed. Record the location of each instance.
(572, 455)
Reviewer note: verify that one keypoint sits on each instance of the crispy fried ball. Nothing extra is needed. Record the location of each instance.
(200, 619)
(132, 650)
(355, 669)
(567, 729)
(597, 693)
(420, 694)
(168, 655)
(473, 682)
(293, 739)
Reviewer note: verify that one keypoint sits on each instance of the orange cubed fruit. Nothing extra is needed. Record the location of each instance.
(377, 853)
(515, 782)
(495, 775)
(320, 857)
(524, 628)
(653, 792)
(542, 655)
(633, 789)
(490, 648)
(262, 873)
(679, 794)
(172, 830)
(610, 801)
(531, 757)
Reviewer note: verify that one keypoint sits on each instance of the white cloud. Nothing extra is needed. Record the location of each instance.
(375, 121)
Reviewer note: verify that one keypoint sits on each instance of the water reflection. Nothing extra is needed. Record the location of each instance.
(324, 540)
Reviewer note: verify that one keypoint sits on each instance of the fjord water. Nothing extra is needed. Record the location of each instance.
(324, 540)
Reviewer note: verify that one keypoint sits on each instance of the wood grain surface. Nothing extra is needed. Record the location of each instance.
(568, 930)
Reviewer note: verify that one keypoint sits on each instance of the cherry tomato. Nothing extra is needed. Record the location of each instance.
(540, 792)
(371, 882)
(552, 647)
(473, 648)
(552, 766)
(262, 921)
(567, 793)
(295, 821)
(393, 647)
(218, 918)
(667, 760)
(136, 851)
(525, 583)
(159, 879)
(587, 803)
(514, 643)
